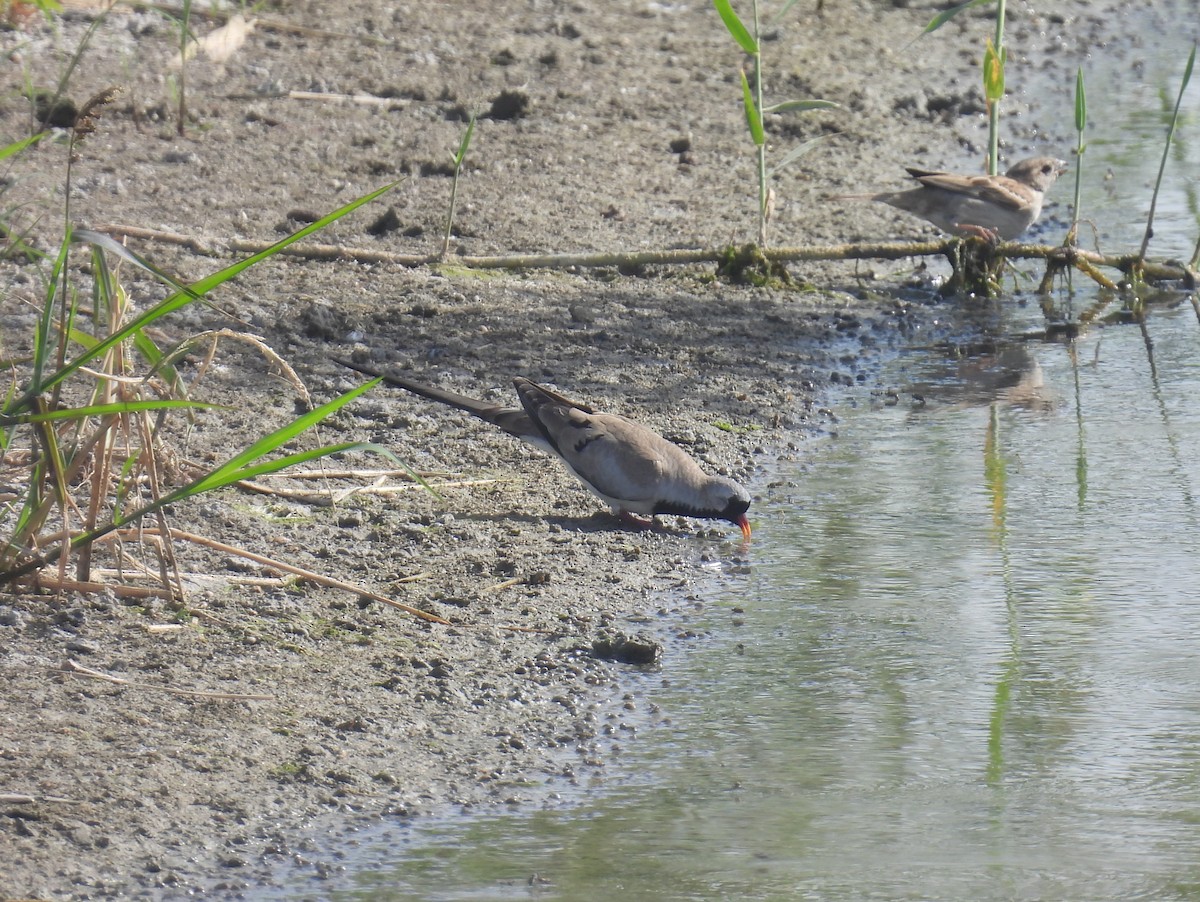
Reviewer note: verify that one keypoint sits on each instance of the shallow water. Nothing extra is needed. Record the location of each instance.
(964, 664)
(965, 660)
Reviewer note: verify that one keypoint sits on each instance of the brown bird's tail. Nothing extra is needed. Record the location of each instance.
(512, 420)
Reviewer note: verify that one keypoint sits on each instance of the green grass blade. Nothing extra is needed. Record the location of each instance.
(6, 437)
(45, 326)
(465, 144)
(1162, 166)
(117, 249)
(102, 410)
(800, 106)
(17, 146)
(737, 30)
(27, 518)
(154, 357)
(232, 470)
(946, 15)
(83, 339)
(276, 464)
(198, 289)
(752, 118)
(1080, 147)
(223, 477)
(993, 72)
(783, 11)
(796, 153)
(1080, 102)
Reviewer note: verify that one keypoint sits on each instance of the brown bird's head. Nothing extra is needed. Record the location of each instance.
(1038, 173)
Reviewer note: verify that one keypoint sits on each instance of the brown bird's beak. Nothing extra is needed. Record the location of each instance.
(744, 523)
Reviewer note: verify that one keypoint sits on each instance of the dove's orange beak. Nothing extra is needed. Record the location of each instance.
(744, 522)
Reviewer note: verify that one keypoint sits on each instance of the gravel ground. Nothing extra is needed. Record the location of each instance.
(624, 132)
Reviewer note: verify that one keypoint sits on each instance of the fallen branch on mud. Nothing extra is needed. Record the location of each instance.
(1058, 257)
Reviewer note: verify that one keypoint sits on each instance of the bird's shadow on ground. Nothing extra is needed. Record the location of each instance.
(598, 522)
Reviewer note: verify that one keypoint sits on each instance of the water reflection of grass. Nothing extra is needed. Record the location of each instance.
(995, 472)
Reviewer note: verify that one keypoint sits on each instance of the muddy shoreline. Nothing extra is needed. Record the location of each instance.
(371, 715)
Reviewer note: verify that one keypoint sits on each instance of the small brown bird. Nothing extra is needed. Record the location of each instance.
(991, 206)
(636, 471)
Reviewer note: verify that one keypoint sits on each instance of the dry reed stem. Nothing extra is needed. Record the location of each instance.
(309, 575)
(507, 584)
(90, 587)
(258, 344)
(360, 99)
(168, 593)
(368, 474)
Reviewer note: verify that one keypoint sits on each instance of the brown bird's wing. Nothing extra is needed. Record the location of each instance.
(999, 190)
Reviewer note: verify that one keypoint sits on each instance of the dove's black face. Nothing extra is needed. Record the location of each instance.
(720, 499)
(735, 511)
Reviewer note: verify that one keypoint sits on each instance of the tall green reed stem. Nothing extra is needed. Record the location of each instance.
(458, 157)
(995, 57)
(184, 29)
(1162, 166)
(752, 100)
(1080, 147)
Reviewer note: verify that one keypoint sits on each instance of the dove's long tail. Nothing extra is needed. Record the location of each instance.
(513, 420)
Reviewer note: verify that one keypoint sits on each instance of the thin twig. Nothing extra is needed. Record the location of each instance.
(507, 584)
(20, 798)
(532, 629)
(76, 669)
(326, 498)
(1162, 166)
(264, 582)
(360, 99)
(369, 474)
(309, 575)
(267, 351)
